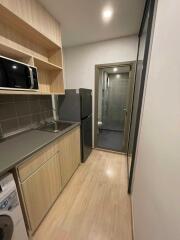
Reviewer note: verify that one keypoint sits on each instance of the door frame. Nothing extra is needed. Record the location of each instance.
(99, 67)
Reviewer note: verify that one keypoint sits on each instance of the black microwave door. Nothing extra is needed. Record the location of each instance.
(3, 75)
(14, 74)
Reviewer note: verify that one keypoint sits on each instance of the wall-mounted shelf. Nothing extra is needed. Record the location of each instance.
(25, 29)
(21, 39)
(9, 92)
(19, 92)
(16, 54)
(46, 65)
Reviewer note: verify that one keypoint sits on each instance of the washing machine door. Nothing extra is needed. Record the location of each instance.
(6, 227)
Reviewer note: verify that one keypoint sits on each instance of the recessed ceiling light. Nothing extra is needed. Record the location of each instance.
(118, 75)
(115, 69)
(107, 14)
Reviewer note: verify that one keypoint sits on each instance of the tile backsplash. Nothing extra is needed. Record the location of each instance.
(21, 112)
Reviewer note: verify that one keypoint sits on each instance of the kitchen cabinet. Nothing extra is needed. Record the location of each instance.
(30, 165)
(29, 34)
(42, 177)
(41, 189)
(70, 157)
(35, 16)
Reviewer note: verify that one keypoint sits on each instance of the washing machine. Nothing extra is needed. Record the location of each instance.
(12, 225)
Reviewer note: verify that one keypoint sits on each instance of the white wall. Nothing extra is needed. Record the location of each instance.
(80, 61)
(156, 193)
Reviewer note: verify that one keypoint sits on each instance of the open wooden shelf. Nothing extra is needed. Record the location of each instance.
(12, 53)
(26, 29)
(19, 92)
(23, 41)
(16, 54)
(45, 64)
(51, 81)
(9, 92)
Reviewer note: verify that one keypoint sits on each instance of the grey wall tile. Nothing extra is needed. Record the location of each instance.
(7, 110)
(36, 119)
(47, 115)
(24, 111)
(45, 105)
(34, 107)
(20, 98)
(34, 97)
(22, 108)
(25, 122)
(6, 98)
(10, 125)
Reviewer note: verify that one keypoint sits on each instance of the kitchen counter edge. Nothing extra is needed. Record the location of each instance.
(8, 162)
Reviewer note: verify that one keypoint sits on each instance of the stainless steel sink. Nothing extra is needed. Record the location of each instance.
(55, 126)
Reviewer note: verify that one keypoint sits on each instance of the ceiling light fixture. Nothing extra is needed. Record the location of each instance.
(107, 14)
(118, 75)
(115, 69)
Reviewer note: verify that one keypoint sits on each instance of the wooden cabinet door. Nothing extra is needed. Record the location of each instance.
(69, 149)
(75, 143)
(41, 189)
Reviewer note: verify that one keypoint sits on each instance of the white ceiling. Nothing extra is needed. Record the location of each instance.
(81, 20)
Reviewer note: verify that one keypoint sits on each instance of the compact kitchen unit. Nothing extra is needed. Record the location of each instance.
(76, 106)
(42, 176)
(42, 161)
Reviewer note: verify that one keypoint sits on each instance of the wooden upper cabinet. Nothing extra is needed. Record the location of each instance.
(34, 14)
(29, 34)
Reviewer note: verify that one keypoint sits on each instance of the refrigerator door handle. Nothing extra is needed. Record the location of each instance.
(89, 116)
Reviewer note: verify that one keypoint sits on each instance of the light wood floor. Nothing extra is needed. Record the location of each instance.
(94, 205)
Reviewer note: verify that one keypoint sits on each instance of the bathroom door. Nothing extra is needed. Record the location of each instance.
(114, 102)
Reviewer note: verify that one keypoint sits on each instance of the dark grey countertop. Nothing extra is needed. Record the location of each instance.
(19, 147)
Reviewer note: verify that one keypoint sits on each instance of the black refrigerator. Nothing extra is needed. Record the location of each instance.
(76, 106)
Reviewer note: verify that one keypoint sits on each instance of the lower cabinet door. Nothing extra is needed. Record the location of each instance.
(41, 189)
(75, 143)
(69, 148)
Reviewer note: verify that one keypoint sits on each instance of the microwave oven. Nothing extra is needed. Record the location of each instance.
(15, 75)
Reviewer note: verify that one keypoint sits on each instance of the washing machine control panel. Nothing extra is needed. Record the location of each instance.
(10, 202)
